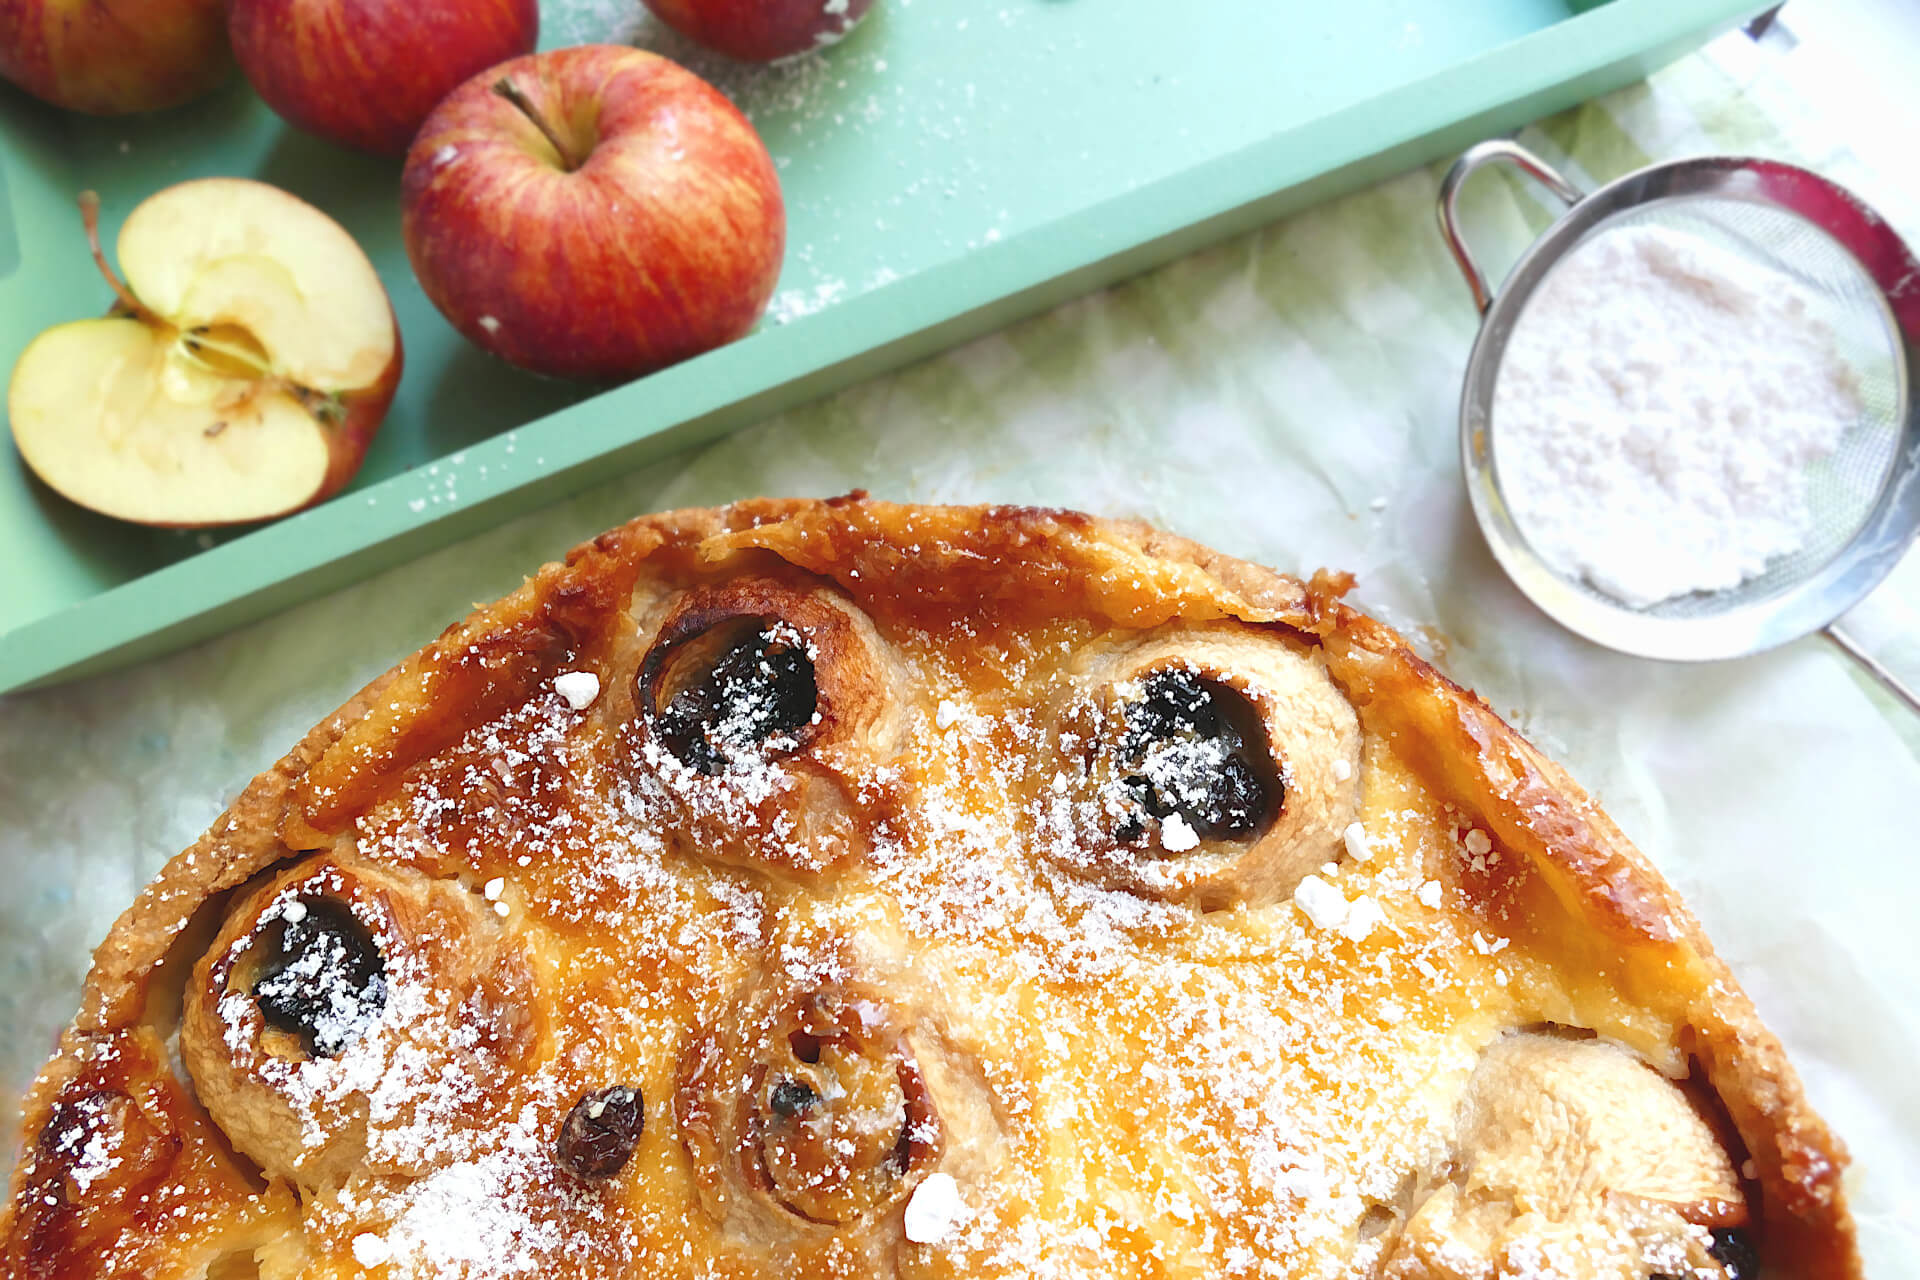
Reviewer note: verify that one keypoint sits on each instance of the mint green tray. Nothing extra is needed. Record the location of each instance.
(949, 168)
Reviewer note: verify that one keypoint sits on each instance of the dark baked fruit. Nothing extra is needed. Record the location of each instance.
(1189, 749)
(811, 890)
(751, 690)
(598, 1136)
(325, 981)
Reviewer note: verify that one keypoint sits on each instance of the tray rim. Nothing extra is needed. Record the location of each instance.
(361, 532)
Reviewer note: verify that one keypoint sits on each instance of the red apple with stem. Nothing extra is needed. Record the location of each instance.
(242, 372)
(595, 212)
(113, 57)
(365, 73)
(761, 30)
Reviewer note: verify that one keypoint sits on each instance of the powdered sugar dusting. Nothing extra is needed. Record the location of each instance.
(1659, 408)
(1202, 1089)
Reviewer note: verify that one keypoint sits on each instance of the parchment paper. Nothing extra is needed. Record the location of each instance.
(1289, 397)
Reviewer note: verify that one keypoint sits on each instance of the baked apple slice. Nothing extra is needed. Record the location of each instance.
(242, 373)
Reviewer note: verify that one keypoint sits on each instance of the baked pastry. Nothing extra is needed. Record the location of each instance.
(841, 889)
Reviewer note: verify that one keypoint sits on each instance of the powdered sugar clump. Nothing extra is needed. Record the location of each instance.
(934, 1209)
(1658, 408)
(579, 688)
(1325, 905)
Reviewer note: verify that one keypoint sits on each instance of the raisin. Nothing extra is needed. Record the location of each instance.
(598, 1136)
(1185, 753)
(761, 687)
(326, 982)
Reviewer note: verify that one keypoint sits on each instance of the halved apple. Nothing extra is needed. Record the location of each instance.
(250, 359)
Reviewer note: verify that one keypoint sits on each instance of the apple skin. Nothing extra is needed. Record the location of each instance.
(664, 242)
(365, 409)
(365, 73)
(114, 57)
(761, 30)
(348, 439)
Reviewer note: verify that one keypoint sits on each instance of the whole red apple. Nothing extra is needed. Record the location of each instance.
(761, 30)
(595, 212)
(112, 57)
(365, 73)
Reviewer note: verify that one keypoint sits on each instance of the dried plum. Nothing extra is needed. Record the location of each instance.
(1188, 748)
(325, 981)
(759, 688)
(792, 1098)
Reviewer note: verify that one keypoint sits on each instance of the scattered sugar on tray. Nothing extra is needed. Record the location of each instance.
(1658, 407)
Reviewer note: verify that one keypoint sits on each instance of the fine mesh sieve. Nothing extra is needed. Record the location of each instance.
(1858, 278)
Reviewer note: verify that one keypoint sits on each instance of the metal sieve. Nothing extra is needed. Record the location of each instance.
(1859, 278)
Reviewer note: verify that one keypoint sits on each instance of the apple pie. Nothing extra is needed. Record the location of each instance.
(808, 889)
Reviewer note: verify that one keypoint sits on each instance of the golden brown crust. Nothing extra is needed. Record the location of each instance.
(242, 841)
(1642, 972)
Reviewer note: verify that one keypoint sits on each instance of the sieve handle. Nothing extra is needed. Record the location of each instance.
(1498, 151)
(1873, 667)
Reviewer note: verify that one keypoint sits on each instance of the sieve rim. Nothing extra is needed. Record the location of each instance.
(1893, 519)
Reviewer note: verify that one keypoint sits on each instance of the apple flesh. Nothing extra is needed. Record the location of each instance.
(761, 30)
(114, 57)
(242, 374)
(365, 73)
(595, 212)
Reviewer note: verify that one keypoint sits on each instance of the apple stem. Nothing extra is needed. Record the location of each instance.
(90, 219)
(511, 92)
